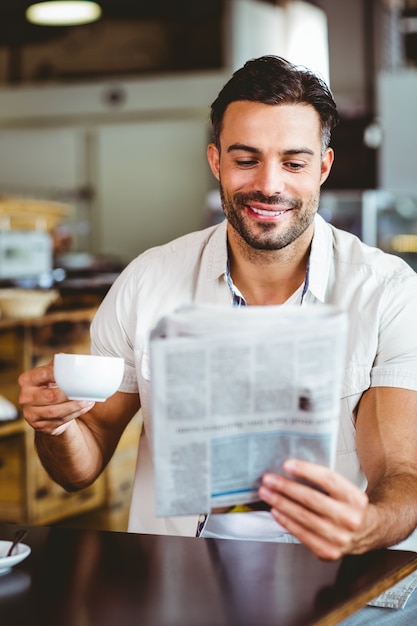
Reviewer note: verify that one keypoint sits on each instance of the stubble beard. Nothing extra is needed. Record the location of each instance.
(265, 235)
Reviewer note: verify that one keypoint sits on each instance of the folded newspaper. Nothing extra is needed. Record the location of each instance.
(235, 392)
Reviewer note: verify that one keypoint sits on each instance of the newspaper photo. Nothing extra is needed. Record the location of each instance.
(236, 392)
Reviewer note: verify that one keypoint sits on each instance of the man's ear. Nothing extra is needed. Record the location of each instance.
(326, 165)
(213, 157)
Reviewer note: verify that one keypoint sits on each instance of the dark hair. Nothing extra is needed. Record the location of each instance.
(273, 80)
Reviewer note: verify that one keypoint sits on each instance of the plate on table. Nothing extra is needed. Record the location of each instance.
(20, 552)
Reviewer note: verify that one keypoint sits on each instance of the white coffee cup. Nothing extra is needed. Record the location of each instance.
(88, 377)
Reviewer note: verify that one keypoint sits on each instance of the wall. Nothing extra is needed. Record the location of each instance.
(296, 30)
(347, 53)
(397, 97)
(131, 156)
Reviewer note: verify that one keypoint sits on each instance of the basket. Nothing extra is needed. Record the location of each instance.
(31, 214)
(25, 303)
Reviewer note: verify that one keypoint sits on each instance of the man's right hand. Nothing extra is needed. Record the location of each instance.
(76, 459)
(45, 407)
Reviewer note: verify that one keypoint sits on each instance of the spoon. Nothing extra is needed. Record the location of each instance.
(17, 539)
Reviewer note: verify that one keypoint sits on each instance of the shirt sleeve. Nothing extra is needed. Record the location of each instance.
(396, 360)
(113, 327)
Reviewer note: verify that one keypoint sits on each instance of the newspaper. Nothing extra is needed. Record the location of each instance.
(235, 392)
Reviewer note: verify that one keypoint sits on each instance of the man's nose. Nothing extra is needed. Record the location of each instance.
(269, 179)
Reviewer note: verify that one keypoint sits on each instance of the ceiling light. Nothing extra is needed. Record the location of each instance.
(63, 12)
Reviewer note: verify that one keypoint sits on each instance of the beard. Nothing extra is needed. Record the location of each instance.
(266, 235)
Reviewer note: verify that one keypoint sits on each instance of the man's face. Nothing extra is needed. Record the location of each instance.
(270, 169)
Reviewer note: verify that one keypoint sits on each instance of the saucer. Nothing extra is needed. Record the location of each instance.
(14, 583)
(20, 552)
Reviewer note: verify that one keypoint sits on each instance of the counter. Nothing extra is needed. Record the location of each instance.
(78, 577)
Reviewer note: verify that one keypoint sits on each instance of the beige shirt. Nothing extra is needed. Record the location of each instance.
(379, 292)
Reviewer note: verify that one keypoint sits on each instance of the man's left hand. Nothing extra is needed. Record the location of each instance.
(326, 519)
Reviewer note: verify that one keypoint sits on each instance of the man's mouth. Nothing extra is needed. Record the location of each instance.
(268, 212)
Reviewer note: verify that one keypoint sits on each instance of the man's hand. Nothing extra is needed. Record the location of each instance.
(84, 446)
(328, 519)
(45, 407)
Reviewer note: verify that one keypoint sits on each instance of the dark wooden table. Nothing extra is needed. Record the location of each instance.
(79, 577)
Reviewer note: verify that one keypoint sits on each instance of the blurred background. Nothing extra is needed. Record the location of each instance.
(103, 135)
(110, 117)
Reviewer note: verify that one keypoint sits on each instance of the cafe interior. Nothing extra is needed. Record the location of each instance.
(103, 134)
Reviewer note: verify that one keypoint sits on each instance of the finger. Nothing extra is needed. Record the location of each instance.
(311, 507)
(38, 388)
(328, 531)
(38, 376)
(327, 480)
(41, 397)
(54, 417)
(332, 491)
(325, 546)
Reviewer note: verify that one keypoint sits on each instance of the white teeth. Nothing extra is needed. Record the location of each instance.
(267, 213)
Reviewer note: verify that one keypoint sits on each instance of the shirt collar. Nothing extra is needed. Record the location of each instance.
(217, 249)
(320, 259)
(319, 263)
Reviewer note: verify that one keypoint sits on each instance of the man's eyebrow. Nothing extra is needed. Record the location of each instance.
(290, 152)
(303, 150)
(243, 147)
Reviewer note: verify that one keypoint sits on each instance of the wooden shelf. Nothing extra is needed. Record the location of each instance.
(11, 427)
(27, 494)
(53, 317)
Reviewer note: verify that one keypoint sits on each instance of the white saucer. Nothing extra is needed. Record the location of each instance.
(20, 552)
(14, 583)
(8, 411)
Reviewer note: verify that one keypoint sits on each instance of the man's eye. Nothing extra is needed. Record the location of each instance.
(246, 163)
(294, 166)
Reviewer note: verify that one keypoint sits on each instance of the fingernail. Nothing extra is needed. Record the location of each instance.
(290, 465)
(87, 405)
(268, 480)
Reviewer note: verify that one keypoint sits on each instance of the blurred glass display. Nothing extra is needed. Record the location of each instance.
(387, 220)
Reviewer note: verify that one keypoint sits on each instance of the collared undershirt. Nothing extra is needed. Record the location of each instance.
(239, 300)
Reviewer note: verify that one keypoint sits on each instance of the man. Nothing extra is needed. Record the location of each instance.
(270, 153)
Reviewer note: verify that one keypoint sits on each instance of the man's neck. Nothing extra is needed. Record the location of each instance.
(267, 277)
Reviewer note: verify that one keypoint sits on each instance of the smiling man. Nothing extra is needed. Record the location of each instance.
(269, 162)
(271, 153)
(269, 185)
